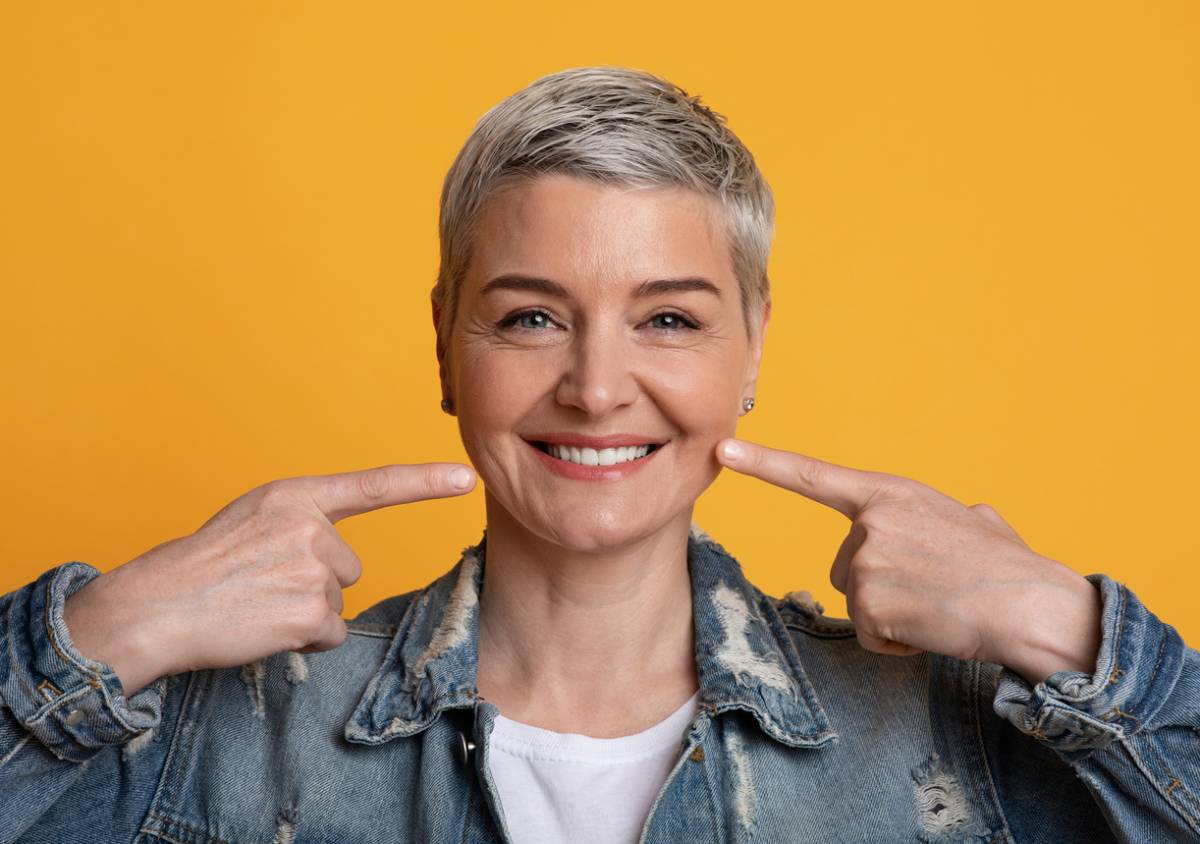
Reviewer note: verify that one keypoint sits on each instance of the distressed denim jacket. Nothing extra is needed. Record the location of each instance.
(802, 735)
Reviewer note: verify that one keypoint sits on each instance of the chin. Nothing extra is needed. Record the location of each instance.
(600, 531)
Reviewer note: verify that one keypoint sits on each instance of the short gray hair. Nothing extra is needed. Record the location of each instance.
(615, 125)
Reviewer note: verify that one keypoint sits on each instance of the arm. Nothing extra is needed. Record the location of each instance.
(1131, 729)
(58, 708)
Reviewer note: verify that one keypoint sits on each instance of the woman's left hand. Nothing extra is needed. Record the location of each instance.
(922, 572)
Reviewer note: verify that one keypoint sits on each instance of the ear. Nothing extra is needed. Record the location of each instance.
(447, 393)
(757, 342)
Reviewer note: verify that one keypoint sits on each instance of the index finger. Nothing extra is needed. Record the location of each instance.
(840, 487)
(345, 494)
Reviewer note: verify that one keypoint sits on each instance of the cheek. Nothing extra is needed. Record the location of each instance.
(495, 391)
(498, 387)
(700, 396)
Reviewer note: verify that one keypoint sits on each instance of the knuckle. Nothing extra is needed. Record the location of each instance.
(311, 576)
(339, 632)
(307, 532)
(866, 563)
(316, 613)
(272, 494)
(356, 570)
(810, 473)
(309, 631)
(866, 612)
(758, 458)
(431, 479)
(897, 485)
(302, 630)
(857, 534)
(872, 520)
(374, 483)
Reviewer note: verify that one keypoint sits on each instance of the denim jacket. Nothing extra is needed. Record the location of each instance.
(801, 735)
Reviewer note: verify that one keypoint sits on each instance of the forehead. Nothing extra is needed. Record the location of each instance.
(572, 229)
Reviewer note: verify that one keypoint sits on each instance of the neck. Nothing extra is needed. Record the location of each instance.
(568, 635)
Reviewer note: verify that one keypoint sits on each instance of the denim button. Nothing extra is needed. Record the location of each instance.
(74, 717)
(463, 748)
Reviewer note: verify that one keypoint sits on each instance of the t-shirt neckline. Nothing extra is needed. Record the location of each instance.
(530, 742)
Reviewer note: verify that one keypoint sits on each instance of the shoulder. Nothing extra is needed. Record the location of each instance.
(849, 679)
(828, 648)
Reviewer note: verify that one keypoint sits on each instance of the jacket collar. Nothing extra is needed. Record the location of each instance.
(745, 657)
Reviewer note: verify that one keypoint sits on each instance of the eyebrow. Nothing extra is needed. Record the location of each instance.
(654, 287)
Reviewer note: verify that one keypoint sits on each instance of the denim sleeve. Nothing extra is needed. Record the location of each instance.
(1131, 731)
(58, 708)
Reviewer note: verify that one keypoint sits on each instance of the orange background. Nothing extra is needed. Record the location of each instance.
(218, 235)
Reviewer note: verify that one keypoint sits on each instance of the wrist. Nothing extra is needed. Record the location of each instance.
(103, 628)
(1059, 629)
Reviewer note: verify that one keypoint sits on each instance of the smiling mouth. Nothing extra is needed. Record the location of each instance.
(596, 457)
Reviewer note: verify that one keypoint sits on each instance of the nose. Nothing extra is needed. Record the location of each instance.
(598, 378)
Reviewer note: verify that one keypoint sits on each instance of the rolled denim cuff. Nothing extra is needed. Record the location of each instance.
(1138, 665)
(73, 705)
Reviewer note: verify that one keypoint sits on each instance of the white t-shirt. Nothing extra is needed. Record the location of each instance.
(558, 787)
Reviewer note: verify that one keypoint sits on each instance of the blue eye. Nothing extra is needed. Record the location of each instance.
(536, 320)
(529, 320)
(670, 321)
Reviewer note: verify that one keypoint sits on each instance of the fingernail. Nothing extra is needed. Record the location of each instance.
(731, 451)
(460, 478)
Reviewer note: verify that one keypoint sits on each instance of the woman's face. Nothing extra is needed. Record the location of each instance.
(595, 320)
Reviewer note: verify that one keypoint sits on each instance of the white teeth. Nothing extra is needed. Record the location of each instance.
(603, 457)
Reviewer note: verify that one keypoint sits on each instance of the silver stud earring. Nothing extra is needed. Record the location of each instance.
(747, 404)
(447, 406)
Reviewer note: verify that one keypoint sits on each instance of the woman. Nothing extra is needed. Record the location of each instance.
(596, 668)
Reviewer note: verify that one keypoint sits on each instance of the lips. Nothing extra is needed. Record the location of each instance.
(587, 456)
(578, 471)
(596, 442)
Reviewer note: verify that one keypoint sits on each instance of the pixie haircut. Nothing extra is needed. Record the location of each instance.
(614, 125)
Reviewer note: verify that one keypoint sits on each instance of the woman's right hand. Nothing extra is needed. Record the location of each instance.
(265, 574)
